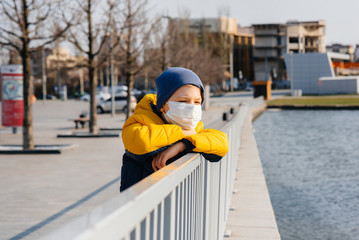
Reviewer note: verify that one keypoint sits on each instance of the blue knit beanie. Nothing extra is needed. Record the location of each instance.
(173, 78)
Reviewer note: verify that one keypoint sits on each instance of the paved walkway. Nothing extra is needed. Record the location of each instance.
(252, 215)
(40, 192)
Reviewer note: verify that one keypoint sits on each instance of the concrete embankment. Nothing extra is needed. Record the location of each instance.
(331, 102)
(315, 107)
(251, 215)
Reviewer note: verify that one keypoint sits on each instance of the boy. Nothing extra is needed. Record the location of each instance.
(167, 126)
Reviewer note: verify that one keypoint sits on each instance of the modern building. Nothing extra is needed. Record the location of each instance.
(38, 59)
(269, 47)
(61, 56)
(61, 69)
(340, 48)
(243, 66)
(356, 53)
(344, 67)
(313, 73)
(304, 37)
(272, 41)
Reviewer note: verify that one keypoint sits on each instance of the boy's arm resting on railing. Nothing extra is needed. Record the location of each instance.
(212, 143)
(136, 167)
(145, 159)
(146, 137)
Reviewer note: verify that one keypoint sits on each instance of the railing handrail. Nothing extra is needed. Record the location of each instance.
(170, 187)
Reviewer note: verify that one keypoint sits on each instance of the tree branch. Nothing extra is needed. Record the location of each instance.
(20, 20)
(83, 7)
(41, 19)
(17, 48)
(6, 11)
(74, 41)
(105, 34)
(10, 33)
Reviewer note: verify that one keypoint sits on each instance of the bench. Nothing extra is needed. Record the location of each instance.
(80, 120)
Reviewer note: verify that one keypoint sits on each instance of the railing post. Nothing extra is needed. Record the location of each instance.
(206, 217)
(224, 117)
(169, 216)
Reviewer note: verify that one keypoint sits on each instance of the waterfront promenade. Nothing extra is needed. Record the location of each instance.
(251, 216)
(41, 192)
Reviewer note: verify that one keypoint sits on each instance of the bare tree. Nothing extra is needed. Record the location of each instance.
(157, 51)
(89, 37)
(25, 26)
(189, 49)
(134, 40)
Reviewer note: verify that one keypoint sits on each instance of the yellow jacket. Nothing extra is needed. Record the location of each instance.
(146, 132)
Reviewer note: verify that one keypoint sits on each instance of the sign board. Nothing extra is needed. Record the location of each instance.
(12, 95)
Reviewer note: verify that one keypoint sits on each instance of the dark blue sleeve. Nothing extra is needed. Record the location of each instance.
(132, 172)
(146, 159)
(211, 157)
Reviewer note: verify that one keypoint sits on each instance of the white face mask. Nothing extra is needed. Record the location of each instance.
(185, 115)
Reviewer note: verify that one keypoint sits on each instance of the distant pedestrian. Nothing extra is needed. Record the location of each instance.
(167, 126)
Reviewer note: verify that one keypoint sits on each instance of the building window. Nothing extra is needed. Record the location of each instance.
(293, 40)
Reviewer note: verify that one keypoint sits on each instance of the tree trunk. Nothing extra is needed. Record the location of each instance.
(27, 133)
(93, 84)
(92, 73)
(28, 140)
(81, 75)
(130, 83)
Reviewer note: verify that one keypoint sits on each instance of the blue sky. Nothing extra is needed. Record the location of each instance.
(341, 16)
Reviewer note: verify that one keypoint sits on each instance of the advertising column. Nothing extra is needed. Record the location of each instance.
(12, 95)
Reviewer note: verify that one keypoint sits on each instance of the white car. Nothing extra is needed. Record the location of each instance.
(100, 96)
(249, 88)
(123, 93)
(120, 104)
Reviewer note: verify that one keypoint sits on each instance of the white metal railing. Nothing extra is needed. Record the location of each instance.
(188, 199)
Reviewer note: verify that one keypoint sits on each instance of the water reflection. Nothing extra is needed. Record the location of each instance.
(311, 163)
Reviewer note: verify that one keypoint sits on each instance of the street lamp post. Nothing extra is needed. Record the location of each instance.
(113, 109)
(169, 25)
(291, 72)
(43, 63)
(231, 61)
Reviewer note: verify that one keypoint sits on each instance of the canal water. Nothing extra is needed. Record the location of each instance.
(311, 164)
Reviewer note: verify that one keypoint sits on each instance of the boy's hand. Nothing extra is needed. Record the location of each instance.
(159, 161)
(189, 132)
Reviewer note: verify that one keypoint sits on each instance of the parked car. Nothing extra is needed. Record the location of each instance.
(144, 93)
(249, 88)
(48, 96)
(123, 92)
(120, 104)
(136, 92)
(100, 96)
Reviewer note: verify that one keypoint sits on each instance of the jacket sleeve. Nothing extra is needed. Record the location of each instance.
(213, 144)
(139, 138)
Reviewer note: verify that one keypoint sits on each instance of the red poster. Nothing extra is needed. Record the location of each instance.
(12, 96)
